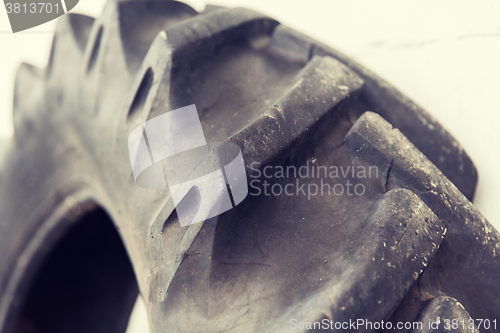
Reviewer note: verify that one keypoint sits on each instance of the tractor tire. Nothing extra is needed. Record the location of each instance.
(79, 239)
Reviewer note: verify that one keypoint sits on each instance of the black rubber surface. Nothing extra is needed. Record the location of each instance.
(411, 241)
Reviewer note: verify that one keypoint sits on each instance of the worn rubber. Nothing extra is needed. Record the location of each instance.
(411, 242)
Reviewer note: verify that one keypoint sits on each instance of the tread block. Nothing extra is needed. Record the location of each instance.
(414, 122)
(441, 315)
(140, 22)
(469, 252)
(28, 95)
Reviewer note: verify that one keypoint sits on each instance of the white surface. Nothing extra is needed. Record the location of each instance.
(444, 56)
(138, 322)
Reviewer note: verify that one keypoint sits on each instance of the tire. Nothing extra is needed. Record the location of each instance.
(80, 239)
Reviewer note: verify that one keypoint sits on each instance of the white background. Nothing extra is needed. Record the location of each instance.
(444, 55)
